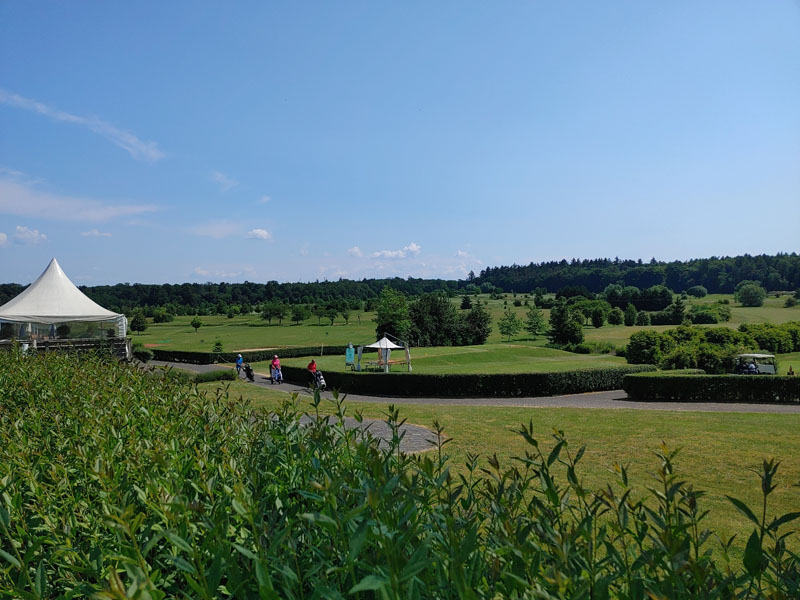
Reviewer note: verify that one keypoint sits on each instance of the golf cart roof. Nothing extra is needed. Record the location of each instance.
(755, 356)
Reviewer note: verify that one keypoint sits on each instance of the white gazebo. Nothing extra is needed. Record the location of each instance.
(385, 347)
(54, 300)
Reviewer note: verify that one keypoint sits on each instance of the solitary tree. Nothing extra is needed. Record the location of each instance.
(300, 313)
(630, 314)
(534, 321)
(392, 314)
(330, 313)
(751, 294)
(566, 325)
(196, 323)
(509, 325)
(598, 317)
(138, 323)
(478, 324)
(345, 312)
(466, 302)
(616, 316)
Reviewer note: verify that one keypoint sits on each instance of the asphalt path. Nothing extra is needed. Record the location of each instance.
(614, 399)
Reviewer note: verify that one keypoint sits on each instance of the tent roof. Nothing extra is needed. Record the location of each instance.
(53, 298)
(384, 343)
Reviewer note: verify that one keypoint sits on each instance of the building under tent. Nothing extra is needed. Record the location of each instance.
(52, 313)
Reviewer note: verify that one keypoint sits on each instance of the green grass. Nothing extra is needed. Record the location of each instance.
(489, 358)
(717, 453)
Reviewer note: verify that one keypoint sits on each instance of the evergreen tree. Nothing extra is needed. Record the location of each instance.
(598, 317)
(478, 324)
(630, 315)
(565, 325)
(466, 302)
(534, 321)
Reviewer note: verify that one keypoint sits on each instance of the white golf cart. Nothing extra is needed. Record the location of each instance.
(756, 364)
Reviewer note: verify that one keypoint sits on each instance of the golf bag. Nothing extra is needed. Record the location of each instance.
(248, 372)
(277, 376)
(319, 380)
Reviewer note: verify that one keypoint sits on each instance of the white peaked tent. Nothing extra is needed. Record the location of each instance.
(53, 299)
(383, 344)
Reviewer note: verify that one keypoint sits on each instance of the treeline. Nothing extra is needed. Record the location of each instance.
(717, 275)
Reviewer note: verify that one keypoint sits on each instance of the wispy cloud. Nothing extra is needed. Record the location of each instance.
(95, 233)
(138, 149)
(28, 237)
(462, 254)
(259, 234)
(24, 199)
(412, 248)
(224, 182)
(216, 229)
(3, 239)
(225, 271)
(264, 199)
(355, 251)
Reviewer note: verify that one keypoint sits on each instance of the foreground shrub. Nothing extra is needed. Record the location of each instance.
(117, 484)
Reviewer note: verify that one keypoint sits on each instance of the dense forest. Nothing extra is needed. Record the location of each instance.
(717, 275)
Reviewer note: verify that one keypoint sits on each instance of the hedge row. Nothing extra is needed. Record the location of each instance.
(471, 385)
(751, 389)
(208, 358)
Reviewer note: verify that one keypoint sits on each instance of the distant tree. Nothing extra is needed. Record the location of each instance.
(565, 325)
(466, 302)
(319, 311)
(616, 316)
(231, 313)
(434, 321)
(300, 313)
(750, 294)
(331, 313)
(217, 348)
(268, 311)
(677, 310)
(246, 308)
(280, 311)
(509, 325)
(345, 312)
(598, 317)
(160, 315)
(642, 318)
(62, 331)
(698, 291)
(196, 323)
(477, 324)
(790, 302)
(138, 323)
(392, 314)
(630, 315)
(534, 321)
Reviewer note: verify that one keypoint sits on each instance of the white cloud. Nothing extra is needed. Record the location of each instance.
(95, 233)
(225, 271)
(412, 248)
(28, 237)
(462, 254)
(264, 199)
(138, 149)
(259, 234)
(3, 239)
(22, 199)
(355, 251)
(224, 182)
(216, 229)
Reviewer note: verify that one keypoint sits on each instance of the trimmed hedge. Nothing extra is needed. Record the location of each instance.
(220, 375)
(471, 385)
(750, 389)
(208, 358)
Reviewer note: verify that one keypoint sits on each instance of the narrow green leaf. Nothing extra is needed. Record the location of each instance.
(10, 558)
(752, 555)
(742, 507)
(788, 517)
(370, 583)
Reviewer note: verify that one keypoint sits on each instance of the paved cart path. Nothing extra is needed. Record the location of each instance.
(603, 400)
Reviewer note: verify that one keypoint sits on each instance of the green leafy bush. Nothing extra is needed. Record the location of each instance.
(219, 375)
(115, 484)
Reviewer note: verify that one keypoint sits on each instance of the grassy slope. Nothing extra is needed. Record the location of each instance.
(718, 449)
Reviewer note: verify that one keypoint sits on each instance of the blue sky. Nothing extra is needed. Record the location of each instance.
(174, 141)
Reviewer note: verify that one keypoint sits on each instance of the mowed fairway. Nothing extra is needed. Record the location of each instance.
(717, 450)
(489, 358)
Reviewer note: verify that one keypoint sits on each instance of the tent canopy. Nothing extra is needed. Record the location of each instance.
(384, 343)
(53, 298)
